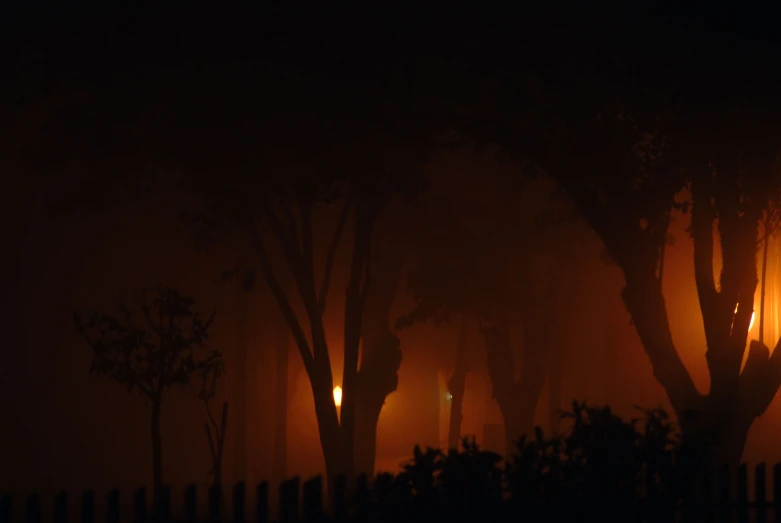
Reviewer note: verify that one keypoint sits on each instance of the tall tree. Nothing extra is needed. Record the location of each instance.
(273, 155)
(601, 123)
(165, 349)
(280, 206)
(467, 267)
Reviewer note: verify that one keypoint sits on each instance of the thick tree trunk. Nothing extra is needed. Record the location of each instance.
(517, 399)
(377, 379)
(329, 428)
(367, 414)
(157, 453)
(380, 353)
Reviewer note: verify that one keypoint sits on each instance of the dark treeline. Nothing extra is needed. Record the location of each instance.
(309, 147)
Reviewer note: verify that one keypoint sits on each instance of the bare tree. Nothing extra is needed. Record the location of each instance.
(165, 349)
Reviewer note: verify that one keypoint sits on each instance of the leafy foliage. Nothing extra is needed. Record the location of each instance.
(602, 468)
(166, 348)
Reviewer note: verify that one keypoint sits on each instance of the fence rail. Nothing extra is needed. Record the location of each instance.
(720, 497)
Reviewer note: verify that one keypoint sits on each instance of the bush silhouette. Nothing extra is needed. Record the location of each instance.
(603, 467)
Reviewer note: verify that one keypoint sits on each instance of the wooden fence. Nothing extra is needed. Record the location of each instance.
(720, 497)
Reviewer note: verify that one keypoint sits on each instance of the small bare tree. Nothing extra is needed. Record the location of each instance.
(167, 349)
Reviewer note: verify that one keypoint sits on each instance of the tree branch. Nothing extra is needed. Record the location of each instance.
(645, 303)
(307, 248)
(332, 248)
(703, 216)
(282, 301)
(292, 226)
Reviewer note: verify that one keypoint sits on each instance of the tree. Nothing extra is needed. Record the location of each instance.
(625, 134)
(276, 157)
(280, 208)
(164, 350)
(464, 267)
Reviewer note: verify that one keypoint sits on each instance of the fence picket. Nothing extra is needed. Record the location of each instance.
(288, 500)
(112, 507)
(61, 507)
(261, 502)
(190, 504)
(215, 499)
(239, 502)
(339, 497)
(742, 493)
(88, 507)
(313, 499)
(33, 513)
(139, 505)
(760, 492)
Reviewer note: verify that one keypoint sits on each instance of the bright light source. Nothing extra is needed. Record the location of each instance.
(448, 396)
(338, 396)
(751, 323)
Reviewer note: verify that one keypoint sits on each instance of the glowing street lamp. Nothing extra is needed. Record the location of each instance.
(338, 396)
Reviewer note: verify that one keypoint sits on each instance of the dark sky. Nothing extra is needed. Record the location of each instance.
(98, 104)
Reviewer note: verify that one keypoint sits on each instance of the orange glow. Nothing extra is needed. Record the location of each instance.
(338, 396)
(751, 323)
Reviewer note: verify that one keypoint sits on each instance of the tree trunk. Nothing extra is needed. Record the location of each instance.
(329, 429)
(367, 414)
(157, 453)
(381, 351)
(517, 399)
(763, 283)
(456, 385)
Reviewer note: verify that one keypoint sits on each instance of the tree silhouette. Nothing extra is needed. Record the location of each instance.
(627, 135)
(166, 348)
(281, 209)
(273, 167)
(489, 271)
